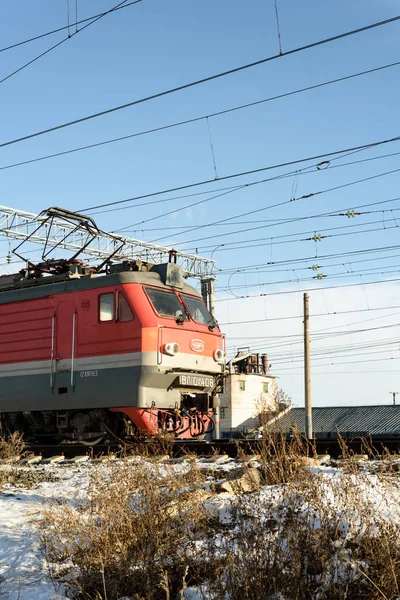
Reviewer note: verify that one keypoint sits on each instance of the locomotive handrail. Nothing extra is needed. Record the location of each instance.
(73, 348)
(53, 331)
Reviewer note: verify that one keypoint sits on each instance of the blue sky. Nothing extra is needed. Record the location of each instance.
(156, 45)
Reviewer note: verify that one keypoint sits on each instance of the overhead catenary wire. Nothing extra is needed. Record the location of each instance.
(241, 174)
(343, 275)
(64, 27)
(332, 334)
(350, 362)
(312, 316)
(384, 348)
(203, 80)
(322, 235)
(313, 258)
(317, 238)
(307, 289)
(127, 228)
(282, 354)
(263, 209)
(196, 119)
(68, 37)
(314, 268)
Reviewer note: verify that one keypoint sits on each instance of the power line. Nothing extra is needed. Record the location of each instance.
(362, 273)
(196, 119)
(283, 238)
(241, 174)
(308, 268)
(274, 222)
(342, 312)
(69, 36)
(313, 258)
(333, 354)
(367, 344)
(350, 362)
(332, 336)
(269, 243)
(203, 80)
(305, 171)
(258, 210)
(301, 373)
(42, 35)
(286, 292)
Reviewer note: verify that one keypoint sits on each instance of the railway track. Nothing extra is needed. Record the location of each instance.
(230, 447)
(198, 447)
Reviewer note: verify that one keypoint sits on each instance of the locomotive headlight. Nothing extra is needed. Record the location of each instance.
(172, 348)
(219, 356)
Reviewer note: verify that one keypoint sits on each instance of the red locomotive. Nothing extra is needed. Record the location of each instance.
(86, 356)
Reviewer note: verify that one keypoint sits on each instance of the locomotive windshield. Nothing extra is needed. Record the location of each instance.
(166, 304)
(198, 311)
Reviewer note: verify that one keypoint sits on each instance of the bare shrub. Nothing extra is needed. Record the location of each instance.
(317, 537)
(132, 535)
(12, 445)
(283, 460)
(146, 531)
(149, 446)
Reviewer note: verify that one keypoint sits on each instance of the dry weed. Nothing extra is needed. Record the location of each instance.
(12, 445)
(319, 536)
(283, 460)
(132, 535)
(308, 534)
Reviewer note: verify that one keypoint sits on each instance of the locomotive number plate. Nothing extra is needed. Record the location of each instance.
(196, 381)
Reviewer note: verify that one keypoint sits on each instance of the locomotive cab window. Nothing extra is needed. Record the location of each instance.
(106, 307)
(199, 311)
(124, 310)
(166, 304)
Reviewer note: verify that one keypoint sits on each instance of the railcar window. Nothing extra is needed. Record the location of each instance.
(166, 304)
(124, 310)
(106, 307)
(198, 311)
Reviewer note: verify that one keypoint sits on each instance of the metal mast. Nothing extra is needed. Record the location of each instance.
(59, 228)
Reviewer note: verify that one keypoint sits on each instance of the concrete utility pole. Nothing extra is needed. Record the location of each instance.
(394, 394)
(307, 375)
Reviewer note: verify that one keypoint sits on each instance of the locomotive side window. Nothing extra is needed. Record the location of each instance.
(166, 304)
(106, 307)
(198, 311)
(124, 310)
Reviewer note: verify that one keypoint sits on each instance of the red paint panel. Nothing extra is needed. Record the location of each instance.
(25, 331)
(184, 338)
(25, 327)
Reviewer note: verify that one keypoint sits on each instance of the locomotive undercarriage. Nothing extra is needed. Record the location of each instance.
(93, 426)
(66, 425)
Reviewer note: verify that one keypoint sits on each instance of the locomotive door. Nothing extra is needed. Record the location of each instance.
(66, 320)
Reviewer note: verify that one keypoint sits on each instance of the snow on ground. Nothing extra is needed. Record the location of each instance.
(23, 573)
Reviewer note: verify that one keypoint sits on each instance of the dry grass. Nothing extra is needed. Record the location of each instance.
(12, 445)
(282, 460)
(311, 535)
(306, 535)
(132, 535)
(152, 446)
